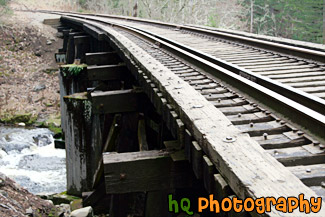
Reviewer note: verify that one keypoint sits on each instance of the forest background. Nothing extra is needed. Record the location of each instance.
(294, 19)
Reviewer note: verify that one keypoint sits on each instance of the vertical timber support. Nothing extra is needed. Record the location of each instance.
(84, 142)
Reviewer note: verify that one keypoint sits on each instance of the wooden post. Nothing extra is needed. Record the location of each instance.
(83, 139)
(82, 47)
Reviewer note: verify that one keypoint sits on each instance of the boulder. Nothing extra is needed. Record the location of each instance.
(39, 87)
(63, 209)
(83, 212)
(21, 124)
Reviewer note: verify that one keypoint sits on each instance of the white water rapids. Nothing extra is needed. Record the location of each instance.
(28, 156)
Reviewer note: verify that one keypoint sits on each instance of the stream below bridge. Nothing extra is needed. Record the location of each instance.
(28, 156)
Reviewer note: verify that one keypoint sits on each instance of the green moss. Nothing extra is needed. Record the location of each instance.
(56, 130)
(63, 198)
(31, 121)
(69, 196)
(50, 71)
(76, 204)
(54, 124)
(76, 96)
(72, 69)
(26, 118)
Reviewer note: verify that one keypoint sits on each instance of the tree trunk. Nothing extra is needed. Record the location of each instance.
(323, 21)
(252, 15)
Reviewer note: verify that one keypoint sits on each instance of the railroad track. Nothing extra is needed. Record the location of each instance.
(301, 152)
(301, 68)
(294, 70)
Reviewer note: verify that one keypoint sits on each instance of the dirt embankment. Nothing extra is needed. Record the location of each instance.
(16, 201)
(28, 74)
(29, 92)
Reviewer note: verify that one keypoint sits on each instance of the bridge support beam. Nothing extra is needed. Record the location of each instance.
(116, 101)
(102, 58)
(144, 171)
(107, 72)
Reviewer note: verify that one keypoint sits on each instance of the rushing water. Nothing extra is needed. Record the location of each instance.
(28, 156)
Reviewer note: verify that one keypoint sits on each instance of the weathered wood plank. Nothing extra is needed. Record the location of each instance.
(83, 39)
(208, 171)
(142, 136)
(52, 22)
(71, 48)
(106, 72)
(95, 32)
(102, 58)
(144, 171)
(180, 128)
(83, 142)
(187, 144)
(108, 147)
(196, 159)
(302, 155)
(93, 197)
(311, 175)
(284, 140)
(116, 101)
(221, 190)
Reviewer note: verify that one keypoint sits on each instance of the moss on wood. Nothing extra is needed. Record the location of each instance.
(72, 69)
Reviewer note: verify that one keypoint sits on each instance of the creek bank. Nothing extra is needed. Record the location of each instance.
(17, 201)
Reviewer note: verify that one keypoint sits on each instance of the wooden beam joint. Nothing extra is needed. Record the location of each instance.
(116, 101)
(145, 171)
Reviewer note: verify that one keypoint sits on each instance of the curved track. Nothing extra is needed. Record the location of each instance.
(239, 99)
(295, 70)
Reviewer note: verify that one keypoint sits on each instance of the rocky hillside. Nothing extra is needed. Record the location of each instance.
(28, 74)
(17, 201)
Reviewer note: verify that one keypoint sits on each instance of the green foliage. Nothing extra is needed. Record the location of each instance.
(115, 3)
(4, 9)
(212, 21)
(82, 2)
(75, 70)
(27, 118)
(72, 69)
(295, 19)
(3, 2)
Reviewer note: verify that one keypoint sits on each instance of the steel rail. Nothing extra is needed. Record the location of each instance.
(296, 95)
(303, 51)
(279, 40)
(309, 119)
